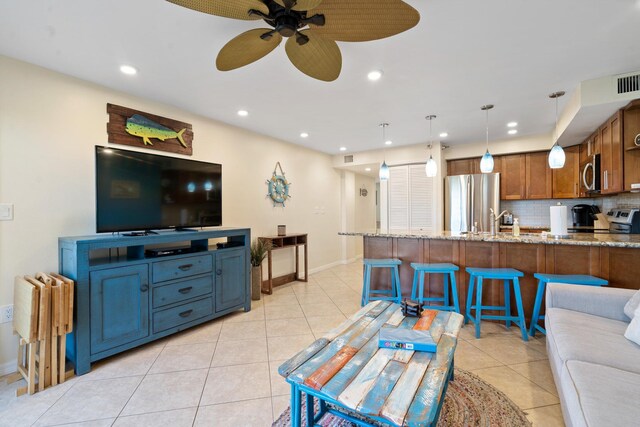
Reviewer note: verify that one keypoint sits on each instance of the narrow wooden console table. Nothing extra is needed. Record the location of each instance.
(282, 242)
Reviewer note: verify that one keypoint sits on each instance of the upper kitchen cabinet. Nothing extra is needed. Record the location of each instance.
(513, 177)
(567, 178)
(463, 166)
(631, 125)
(611, 170)
(539, 177)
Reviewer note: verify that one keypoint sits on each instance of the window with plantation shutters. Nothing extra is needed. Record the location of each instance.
(411, 206)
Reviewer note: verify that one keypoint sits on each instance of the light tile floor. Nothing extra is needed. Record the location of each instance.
(224, 373)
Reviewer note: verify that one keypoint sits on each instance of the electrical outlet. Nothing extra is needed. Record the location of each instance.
(6, 314)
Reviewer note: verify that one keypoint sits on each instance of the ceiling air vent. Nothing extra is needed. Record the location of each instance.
(629, 84)
(348, 159)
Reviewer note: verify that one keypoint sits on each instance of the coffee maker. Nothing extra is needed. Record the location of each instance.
(584, 215)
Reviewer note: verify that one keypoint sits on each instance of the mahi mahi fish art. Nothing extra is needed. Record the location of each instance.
(145, 128)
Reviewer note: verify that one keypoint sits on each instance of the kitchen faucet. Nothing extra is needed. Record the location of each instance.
(495, 219)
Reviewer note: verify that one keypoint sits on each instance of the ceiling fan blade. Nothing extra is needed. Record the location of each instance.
(318, 58)
(236, 9)
(363, 20)
(246, 48)
(299, 4)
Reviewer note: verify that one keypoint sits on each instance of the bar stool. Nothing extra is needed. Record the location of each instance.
(394, 293)
(569, 279)
(449, 277)
(507, 275)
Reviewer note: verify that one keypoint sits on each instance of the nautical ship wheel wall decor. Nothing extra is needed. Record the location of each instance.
(278, 186)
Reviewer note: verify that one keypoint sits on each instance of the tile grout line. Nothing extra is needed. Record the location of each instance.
(206, 378)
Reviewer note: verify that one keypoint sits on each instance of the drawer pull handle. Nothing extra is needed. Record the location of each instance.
(185, 267)
(144, 288)
(186, 313)
(218, 272)
(185, 290)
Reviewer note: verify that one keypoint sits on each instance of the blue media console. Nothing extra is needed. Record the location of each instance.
(125, 297)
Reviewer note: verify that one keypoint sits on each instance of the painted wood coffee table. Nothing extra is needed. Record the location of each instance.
(393, 387)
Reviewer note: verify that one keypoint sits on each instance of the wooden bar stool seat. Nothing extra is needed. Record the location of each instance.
(568, 279)
(394, 294)
(449, 277)
(508, 276)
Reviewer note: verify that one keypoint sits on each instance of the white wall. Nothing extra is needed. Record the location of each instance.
(364, 209)
(49, 125)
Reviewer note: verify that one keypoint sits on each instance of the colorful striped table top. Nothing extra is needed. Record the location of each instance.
(398, 386)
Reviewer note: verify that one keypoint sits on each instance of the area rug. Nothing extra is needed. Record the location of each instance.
(469, 402)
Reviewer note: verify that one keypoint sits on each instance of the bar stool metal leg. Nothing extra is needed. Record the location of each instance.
(507, 303)
(478, 306)
(454, 292)
(523, 325)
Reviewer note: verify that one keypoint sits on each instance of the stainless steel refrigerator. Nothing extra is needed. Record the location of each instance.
(467, 200)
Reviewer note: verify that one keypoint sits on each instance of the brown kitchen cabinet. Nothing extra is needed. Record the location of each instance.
(611, 169)
(463, 166)
(631, 125)
(566, 179)
(539, 177)
(513, 177)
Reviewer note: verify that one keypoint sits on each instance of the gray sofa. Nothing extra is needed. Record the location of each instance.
(595, 368)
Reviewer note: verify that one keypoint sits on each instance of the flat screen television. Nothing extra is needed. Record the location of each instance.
(139, 191)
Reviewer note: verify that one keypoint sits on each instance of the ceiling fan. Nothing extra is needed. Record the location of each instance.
(312, 50)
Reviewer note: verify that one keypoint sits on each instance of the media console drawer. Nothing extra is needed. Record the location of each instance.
(181, 291)
(181, 267)
(185, 313)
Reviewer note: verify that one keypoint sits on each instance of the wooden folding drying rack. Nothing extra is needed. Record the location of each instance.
(43, 315)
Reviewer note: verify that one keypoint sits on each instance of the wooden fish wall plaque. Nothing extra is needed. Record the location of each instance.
(146, 130)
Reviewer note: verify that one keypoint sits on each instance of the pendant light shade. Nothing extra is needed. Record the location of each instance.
(384, 169)
(486, 163)
(431, 168)
(556, 155)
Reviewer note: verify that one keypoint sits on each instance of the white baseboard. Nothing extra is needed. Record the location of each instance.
(334, 264)
(8, 368)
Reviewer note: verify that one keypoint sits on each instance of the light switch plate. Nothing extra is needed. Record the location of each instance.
(6, 211)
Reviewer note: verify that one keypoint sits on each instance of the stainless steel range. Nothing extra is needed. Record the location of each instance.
(625, 221)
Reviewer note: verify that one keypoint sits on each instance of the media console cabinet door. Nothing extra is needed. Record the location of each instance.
(119, 306)
(230, 279)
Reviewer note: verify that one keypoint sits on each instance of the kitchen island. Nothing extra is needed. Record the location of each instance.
(615, 257)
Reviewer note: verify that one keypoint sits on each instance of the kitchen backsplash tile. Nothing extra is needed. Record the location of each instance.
(536, 212)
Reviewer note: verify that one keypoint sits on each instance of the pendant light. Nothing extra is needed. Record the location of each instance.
(384, 169)
(556, 155)
(486, 163)
(431, 168)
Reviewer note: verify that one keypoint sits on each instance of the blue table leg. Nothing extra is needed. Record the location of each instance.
(507, 303)
(310, 414)
(523, 325)
(295, 406)
(467, 316)
(398, 291)
(535, 316)
(454, 292)
(478, 306)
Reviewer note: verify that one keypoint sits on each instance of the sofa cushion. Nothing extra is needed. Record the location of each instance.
(607, 396)
(588, 338)
(631, 305)
(633, 331)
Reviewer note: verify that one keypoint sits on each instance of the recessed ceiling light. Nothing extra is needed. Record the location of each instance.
(388, 142)
(367, 169)
(513, 131)
(512, 124)
(444, 135)
(374, 75)
(128, 70)
(304, 135)
(343, 148)
(243, 113)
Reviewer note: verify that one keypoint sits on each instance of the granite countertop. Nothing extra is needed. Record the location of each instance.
(581, 239)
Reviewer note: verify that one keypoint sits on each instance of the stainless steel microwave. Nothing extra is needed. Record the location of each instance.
(590, 174)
